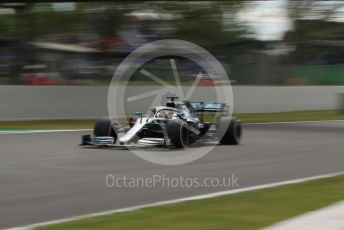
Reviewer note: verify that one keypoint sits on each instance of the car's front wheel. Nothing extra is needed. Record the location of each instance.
(178, 133)
(105, 127)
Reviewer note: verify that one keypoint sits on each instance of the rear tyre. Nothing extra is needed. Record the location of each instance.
(85, 139)
(229, 131)
(178, 133)
(105, 127)
(205, 129)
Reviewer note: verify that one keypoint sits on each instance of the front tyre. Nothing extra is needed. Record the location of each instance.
(229, 131)
(105, 127)
(178, 133)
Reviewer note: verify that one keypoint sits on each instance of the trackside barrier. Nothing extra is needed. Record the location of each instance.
(74, 102)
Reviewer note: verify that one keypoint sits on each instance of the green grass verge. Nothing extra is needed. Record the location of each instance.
(292, 116)
(243, 211)
(246, 118)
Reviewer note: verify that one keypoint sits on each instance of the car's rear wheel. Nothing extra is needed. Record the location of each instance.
(178, 133)
(205, 129)
(229, 131)
(105, 127)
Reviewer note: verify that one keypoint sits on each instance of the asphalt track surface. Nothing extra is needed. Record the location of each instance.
(47, 176)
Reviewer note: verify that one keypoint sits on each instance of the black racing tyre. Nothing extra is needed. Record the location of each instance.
(105, 127)
(205, 129)
(178, 133)
(85, 139)
(229, 131)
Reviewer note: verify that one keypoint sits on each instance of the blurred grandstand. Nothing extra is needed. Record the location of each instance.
(259, 42)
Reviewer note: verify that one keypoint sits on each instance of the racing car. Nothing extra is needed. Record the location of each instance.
(175, 125)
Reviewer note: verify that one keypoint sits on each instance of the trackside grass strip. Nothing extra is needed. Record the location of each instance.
(246, 118)
(242, 211)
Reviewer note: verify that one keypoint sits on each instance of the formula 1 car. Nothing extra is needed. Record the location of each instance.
(176, 125)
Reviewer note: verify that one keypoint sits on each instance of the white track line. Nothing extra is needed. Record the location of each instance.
(79, 130)
(290, 122)
(43, 131)
(174, 201)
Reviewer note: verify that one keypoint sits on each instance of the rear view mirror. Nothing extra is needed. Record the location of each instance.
(138, 114)
(180, 115)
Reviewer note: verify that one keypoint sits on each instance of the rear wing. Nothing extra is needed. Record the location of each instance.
(209, 107)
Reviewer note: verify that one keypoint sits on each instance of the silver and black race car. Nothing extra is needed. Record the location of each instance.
(176, 125)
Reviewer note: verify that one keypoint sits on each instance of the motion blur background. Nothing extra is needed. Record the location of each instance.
(259, 42)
